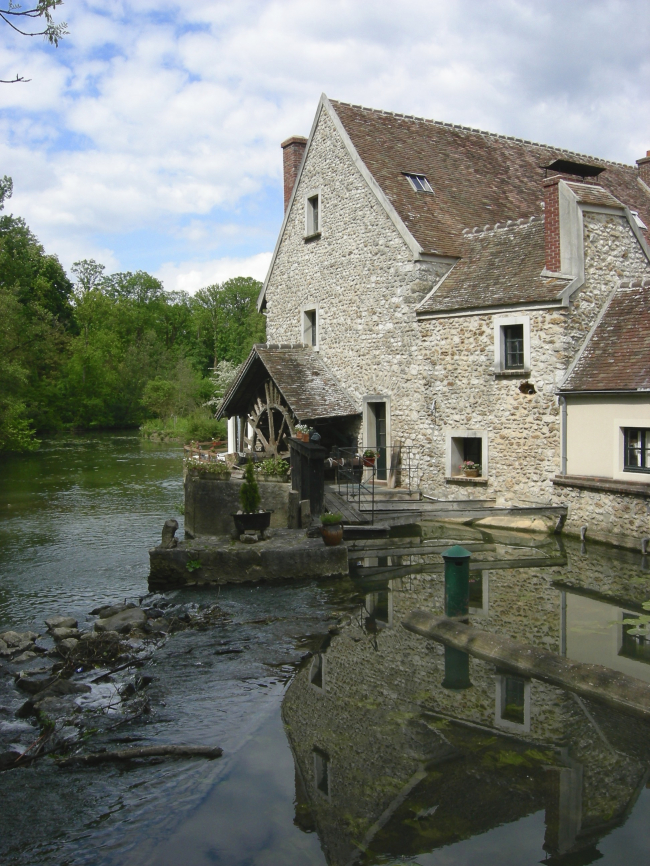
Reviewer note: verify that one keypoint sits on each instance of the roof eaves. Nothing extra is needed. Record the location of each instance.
(245, 367)
(262, 295)
(415, 248)
(587, 340)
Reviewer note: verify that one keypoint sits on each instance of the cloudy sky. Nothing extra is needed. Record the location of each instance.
(150, 138)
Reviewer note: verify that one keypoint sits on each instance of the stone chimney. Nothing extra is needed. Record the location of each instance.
(644, 168)
(552, 224)
(293, 150)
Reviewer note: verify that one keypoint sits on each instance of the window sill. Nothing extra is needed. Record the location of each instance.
(603, 485)
(464, 479)
(312, 237)
(512, 374)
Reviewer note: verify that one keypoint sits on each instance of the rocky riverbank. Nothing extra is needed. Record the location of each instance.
(73, 682)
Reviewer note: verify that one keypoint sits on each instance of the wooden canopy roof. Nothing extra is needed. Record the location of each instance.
(305, 383)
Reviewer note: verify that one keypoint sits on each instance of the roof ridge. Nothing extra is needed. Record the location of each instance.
(481, 132)
(497, 227)
(641, 282)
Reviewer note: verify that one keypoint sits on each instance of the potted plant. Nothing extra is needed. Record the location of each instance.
(273, 469)
(251, 517)
(369, 457)
(216, 469)
(470, 469)
(331, 528)
(302, 432)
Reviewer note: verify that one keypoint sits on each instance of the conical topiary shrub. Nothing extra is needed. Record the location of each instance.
(249, 495)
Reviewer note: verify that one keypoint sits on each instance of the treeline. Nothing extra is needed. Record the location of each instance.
(110, 350)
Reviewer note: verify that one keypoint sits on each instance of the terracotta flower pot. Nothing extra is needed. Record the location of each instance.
(332, 534)
(369, 461)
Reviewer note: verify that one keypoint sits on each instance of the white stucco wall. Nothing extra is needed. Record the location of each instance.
(595, 438)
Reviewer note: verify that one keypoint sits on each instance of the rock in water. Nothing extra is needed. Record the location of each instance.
(67, 645)
(61, 622)
(65, 633)
(110, 610)
(122, 622)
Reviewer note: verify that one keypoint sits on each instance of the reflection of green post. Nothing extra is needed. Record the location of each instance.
(456, 581)
(456, 604)
(456, 669)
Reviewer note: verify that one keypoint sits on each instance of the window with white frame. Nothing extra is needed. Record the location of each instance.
(312, 215)
(317, 672)
(466, 453)
(636, 449)
(512, 709)
(418, 182)
(310, 326)
(321, 771)
(512, 345)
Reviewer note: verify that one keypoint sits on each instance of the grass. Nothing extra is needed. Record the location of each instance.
(200, 426)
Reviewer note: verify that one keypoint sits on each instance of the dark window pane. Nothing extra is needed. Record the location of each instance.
(513, 339)
(636, 453)
(472, 449)
(513, 700)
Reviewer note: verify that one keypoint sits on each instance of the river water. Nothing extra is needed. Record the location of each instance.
(340, 744)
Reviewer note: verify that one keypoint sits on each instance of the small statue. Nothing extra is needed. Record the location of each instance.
(168, 533)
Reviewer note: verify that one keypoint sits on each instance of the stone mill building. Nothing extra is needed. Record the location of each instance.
(458, 294)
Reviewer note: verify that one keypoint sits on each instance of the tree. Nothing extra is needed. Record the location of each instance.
(35, 315)
(227, 321)
(17, 18)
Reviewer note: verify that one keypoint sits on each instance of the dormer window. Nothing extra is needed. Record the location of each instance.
(418, 182)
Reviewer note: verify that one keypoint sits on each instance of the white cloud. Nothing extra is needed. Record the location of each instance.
(191, 276)
(154, 114)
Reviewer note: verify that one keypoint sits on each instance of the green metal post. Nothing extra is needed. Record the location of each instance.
(456, 669)
(456, 581)
(456, 604)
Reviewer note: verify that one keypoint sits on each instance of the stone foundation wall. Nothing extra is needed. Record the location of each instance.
(616, 518)
(210, 504)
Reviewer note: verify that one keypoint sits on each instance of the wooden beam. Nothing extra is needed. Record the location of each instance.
(594, 682)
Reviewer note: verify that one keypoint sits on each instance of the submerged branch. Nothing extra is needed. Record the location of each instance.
(95, 758)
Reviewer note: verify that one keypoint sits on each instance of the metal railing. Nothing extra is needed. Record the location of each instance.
(357, 475)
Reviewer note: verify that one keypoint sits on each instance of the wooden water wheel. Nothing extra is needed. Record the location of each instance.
(271, 421)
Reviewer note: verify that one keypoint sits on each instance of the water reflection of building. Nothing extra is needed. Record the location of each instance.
(390, 764)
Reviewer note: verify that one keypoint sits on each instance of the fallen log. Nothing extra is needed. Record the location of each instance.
(595, 682)
(95, 758)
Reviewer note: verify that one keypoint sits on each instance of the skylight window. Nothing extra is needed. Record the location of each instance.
(418, 182)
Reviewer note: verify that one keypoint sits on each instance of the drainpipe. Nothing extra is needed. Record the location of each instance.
(562, 403)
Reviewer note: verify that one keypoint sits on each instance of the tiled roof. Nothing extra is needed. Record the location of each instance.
(477, 177)
(593, 194)
(617, 356)
(307, 385)
(501, 265)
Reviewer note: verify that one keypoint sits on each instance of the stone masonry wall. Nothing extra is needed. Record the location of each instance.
(523, 430)
(363, 277)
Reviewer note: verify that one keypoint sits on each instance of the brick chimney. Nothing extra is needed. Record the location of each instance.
(644, 168)
(293, 150)
(552, 223)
